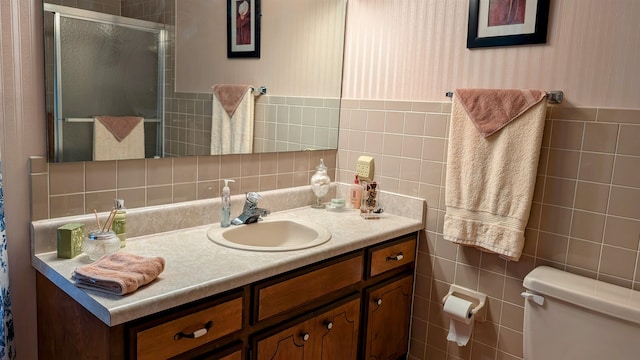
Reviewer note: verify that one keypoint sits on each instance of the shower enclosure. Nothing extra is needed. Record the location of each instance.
(99, 64)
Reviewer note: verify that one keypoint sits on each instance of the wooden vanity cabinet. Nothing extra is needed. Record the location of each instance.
(180, 332)
(388, 312)
(383, 283)
(288, 292)
(332, 334)
(387, 299)
(66, 330)
(352, 306)
(392, 255)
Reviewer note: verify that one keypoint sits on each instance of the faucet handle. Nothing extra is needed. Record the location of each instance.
(253, 197)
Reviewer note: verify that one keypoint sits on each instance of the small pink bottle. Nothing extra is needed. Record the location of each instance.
(355, 194)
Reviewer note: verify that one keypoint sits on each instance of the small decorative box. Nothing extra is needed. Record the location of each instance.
(70, 238)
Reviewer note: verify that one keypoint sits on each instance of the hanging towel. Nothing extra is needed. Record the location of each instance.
(492, 109)
(232, 120)
(490, 179)
(119, 273)
(118, 137)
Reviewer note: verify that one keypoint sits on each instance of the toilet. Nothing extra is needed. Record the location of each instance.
(568, 317)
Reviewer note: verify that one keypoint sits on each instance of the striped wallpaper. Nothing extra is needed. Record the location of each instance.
(416, 50)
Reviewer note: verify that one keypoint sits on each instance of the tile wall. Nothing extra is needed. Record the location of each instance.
(282, 123)
(104, 6)
(585, 217)
(160, 11)
(291, 123)
(65, 189)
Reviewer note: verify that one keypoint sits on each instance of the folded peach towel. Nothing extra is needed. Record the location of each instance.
(490, 180)
(118, 138)
(492, 109)
(119, 273)
(232, 120)
(230, 96)
(119, 126)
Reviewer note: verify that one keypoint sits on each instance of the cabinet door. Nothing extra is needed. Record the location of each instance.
(292, 343)
(388, 314)
(328, 336)
(337, 332)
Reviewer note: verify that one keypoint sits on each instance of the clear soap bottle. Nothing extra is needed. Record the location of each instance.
(120, 221)
(225, 210)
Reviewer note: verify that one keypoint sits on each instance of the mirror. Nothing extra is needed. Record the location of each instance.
(300, 65)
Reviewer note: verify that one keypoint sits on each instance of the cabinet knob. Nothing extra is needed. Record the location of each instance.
(398, 257)
(305, 336)
(329, 325)
(378, 302)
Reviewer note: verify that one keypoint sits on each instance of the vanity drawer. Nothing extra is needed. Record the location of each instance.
(298, 290)
(390, 256)
(167, 339)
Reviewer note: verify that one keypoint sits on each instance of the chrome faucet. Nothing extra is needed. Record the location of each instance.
(251, 212)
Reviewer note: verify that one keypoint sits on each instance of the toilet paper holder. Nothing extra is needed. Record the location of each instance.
(478, 300)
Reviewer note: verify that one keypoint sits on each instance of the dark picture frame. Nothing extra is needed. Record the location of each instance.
(493, 23)
(243, 28)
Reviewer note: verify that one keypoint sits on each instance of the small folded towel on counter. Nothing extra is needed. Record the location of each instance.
(490, 179)
(119, 273)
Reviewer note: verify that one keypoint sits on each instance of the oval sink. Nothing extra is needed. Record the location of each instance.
(271, 235)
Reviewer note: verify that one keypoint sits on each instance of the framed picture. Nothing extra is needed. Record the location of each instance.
(243, 28)
(507, 22)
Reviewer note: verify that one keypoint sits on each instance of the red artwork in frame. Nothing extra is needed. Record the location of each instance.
(507, 22)
(243, 28)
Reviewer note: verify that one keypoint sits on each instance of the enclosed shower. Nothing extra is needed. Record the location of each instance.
(100, 65)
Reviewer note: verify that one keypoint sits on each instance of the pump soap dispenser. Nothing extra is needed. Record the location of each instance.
(225, 211)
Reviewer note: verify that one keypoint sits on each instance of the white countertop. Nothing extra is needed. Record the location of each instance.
(196, 267)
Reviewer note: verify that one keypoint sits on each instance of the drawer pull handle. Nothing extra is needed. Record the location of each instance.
(305, 336)
(329, 325)
(195, 334)
(378, 302)
(398, 257)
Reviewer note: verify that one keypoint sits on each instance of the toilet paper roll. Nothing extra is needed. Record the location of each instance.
(461, 319)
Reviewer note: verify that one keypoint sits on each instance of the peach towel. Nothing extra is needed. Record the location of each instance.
(230, 96)
(492, 109)
(119, 126)
(118, 138)
(119, 273)
(232, 120)
(490, 181)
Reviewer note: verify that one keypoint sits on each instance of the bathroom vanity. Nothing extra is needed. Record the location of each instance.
(345, 299)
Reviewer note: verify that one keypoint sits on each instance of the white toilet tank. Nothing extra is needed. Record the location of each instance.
(580, 318)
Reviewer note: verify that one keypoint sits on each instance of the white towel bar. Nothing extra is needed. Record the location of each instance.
(91, 120)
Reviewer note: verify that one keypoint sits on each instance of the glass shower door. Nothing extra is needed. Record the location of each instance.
(105, 68)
